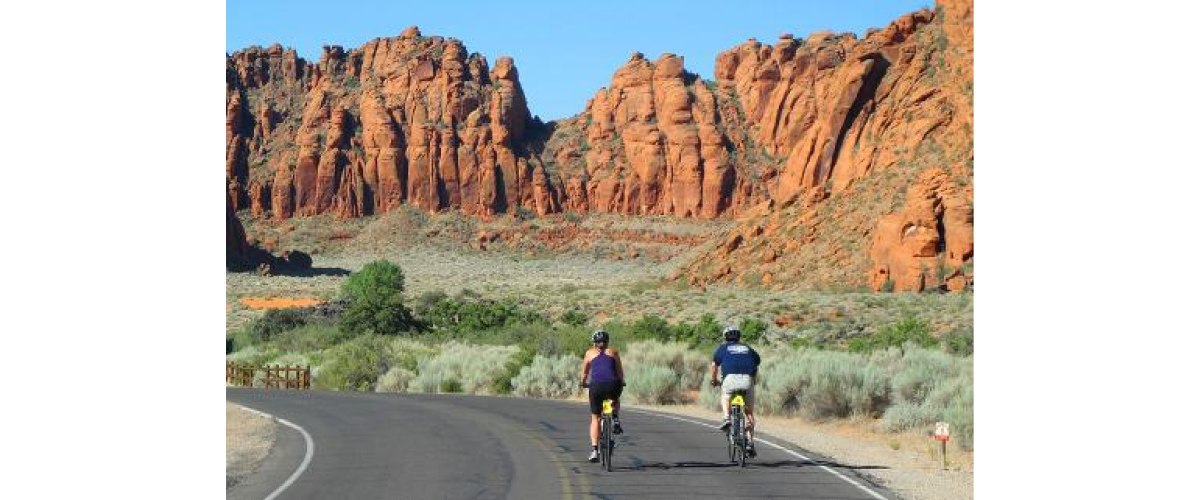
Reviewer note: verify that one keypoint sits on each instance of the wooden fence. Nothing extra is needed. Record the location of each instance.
(272, 377)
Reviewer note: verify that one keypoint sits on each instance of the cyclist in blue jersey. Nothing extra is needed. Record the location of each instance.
(738, 364)
(604, 378)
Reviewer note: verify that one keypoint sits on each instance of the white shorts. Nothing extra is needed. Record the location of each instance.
(738, 382)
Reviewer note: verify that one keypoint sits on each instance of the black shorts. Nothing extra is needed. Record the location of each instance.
(599, 391)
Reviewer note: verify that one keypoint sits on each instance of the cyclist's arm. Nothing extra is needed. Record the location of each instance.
(716, 363)
(620, 366)
(586, 367)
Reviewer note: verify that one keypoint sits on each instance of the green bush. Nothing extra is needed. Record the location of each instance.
(907, 331)
(574, 318)
(704, 333)
(504, 383)
(752, 329)
(352, 366)
(376, 300)
(275, 322)
(549, 377)
(459, 367)
(961, 343)
(309, 338)
(468, 313)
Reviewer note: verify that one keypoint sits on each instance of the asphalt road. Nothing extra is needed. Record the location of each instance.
(391, 446)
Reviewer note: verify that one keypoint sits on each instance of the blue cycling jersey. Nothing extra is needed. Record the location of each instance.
(736, 357)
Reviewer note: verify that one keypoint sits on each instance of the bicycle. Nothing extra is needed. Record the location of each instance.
(606, 434)
(738, 439)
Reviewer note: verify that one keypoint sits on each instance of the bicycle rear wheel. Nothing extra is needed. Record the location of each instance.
(740, 430)
(606, 442)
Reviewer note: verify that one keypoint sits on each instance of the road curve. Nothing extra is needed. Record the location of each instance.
(418, 446)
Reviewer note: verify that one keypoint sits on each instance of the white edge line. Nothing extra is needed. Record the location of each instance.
(857, 484)
(308, 452)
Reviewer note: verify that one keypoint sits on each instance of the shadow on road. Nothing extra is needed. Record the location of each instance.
(752, 464)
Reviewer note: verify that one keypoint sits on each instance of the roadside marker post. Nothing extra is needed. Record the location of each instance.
(941, 432)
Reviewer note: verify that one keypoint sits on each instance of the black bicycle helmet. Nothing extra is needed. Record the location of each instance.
(599, 336)
(732, 334)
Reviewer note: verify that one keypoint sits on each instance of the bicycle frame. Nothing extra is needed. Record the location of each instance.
(738, 438)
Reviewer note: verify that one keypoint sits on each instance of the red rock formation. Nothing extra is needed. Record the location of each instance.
(411, 119)
(859, 121)
(654, 144)
(926, 244)
(806, 140)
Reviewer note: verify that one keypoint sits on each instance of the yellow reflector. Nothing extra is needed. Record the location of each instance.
(737, 401)
(607, 405)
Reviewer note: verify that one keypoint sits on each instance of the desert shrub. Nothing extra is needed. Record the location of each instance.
(407, 353)
(309, 338)
(538, 337)
(459, 367)
(395, 380)
(290, 359)
(905, 416)
(252, 356)
(840, 389)
(242, 338)
(376, 302)
(504, 383)
(548, 377)
(425, 304)
(275, 322)
(710, 397)
(960, 414)
(468, 313)
(822, 384)
(688, 365)
(574, 318)
(909, 330)
(921, 370)
(523, 213)
(652, 385)
(705, 332)
(960, 343)
(352, 366)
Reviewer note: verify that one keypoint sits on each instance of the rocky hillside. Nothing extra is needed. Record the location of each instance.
(877, 189)
(847, 160)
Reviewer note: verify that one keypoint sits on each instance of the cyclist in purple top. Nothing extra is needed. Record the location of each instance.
(606, 380)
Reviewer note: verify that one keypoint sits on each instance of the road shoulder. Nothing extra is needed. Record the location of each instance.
(259, 453)
(910, 471)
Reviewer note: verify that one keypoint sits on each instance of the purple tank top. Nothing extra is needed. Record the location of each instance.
(604, 368)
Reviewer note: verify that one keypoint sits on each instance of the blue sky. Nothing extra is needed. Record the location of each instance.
(564, 50)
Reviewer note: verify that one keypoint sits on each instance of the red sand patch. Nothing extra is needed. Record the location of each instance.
(278, 303)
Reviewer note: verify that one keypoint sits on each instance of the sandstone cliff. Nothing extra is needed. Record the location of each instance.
(830, 149)
(877, 187)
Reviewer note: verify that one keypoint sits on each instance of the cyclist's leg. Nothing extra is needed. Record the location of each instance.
(594, 405)
(750, 414)
(616, 399)
(726, 392)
